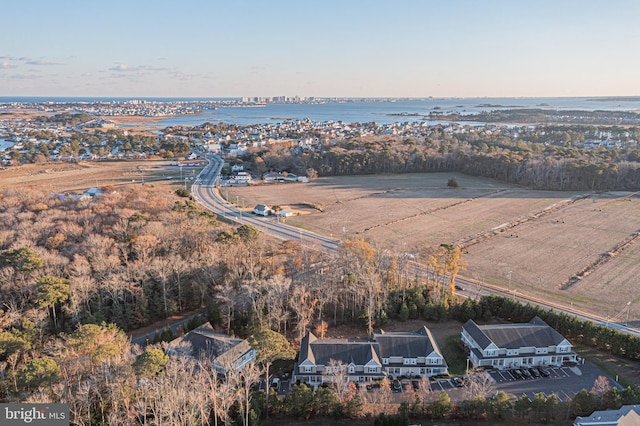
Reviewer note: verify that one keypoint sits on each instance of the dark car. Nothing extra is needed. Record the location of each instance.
(543, 372)
(516, 373)
(457, 382)
(534, 372)
(525, 373)
(397, 386)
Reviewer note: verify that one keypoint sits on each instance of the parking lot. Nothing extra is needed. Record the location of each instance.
(564, 382)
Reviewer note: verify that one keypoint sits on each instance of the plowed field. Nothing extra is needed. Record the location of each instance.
(574, 248)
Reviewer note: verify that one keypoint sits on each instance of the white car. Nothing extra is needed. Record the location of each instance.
(275, 383)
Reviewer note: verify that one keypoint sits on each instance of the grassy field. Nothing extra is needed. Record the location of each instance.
(77, 177)
(543, 237)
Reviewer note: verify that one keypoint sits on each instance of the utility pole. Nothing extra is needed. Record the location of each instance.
(626, 323)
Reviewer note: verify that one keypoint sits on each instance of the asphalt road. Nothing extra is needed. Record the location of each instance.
(204, 191)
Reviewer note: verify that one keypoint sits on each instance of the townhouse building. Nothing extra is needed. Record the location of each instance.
(504, 346)
(387, 354)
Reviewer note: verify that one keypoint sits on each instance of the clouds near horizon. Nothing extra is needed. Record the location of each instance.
(330, 48)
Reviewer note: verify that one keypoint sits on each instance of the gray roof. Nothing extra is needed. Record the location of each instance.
(535, 333)
(359, 352)
(627, 415)
(204, 341)
(321, 352)
(406, 344)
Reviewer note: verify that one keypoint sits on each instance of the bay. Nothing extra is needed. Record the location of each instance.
(357, 110)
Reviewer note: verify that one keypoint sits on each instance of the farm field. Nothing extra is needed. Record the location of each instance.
(76, 177)
(543, 237)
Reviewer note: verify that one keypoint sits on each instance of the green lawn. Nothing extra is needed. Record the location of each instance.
(454, 355)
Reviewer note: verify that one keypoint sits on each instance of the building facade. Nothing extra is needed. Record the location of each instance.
(504, 346)
(392, 355)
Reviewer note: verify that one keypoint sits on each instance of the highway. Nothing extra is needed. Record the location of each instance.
(204, 191)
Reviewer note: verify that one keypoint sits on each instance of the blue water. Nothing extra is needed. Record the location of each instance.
(380, 112)
(4, 144)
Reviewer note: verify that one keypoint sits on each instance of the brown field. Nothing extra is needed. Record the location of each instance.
(543, 237)
(76, 177)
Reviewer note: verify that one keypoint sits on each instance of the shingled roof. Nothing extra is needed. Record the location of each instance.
(205, 341)
(535, 333)
(321, 352)
(360, 352)
(406, 344)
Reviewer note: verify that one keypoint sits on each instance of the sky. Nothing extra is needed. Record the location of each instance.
(327, 48)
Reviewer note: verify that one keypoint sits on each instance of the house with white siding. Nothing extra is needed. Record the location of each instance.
(392, 355)
(504, 346)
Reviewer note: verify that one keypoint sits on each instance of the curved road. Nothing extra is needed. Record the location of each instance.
(204, 191)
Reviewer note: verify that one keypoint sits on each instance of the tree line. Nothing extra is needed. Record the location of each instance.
(542, 158)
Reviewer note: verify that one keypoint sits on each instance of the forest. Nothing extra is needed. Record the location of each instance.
(76, 273)
(547, 157)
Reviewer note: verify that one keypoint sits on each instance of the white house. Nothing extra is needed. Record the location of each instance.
(504, 346)
(242, 177)
(406, 354)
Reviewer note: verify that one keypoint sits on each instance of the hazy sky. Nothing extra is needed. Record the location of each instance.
(319, 48)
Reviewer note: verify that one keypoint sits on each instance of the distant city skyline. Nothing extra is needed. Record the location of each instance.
(319, 49)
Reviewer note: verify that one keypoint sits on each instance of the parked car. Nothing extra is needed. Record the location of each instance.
(516, 373)
(397, 386)
(275, 383)
(525, 373)
(544, 372)
(457, 382)
(535, 373)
